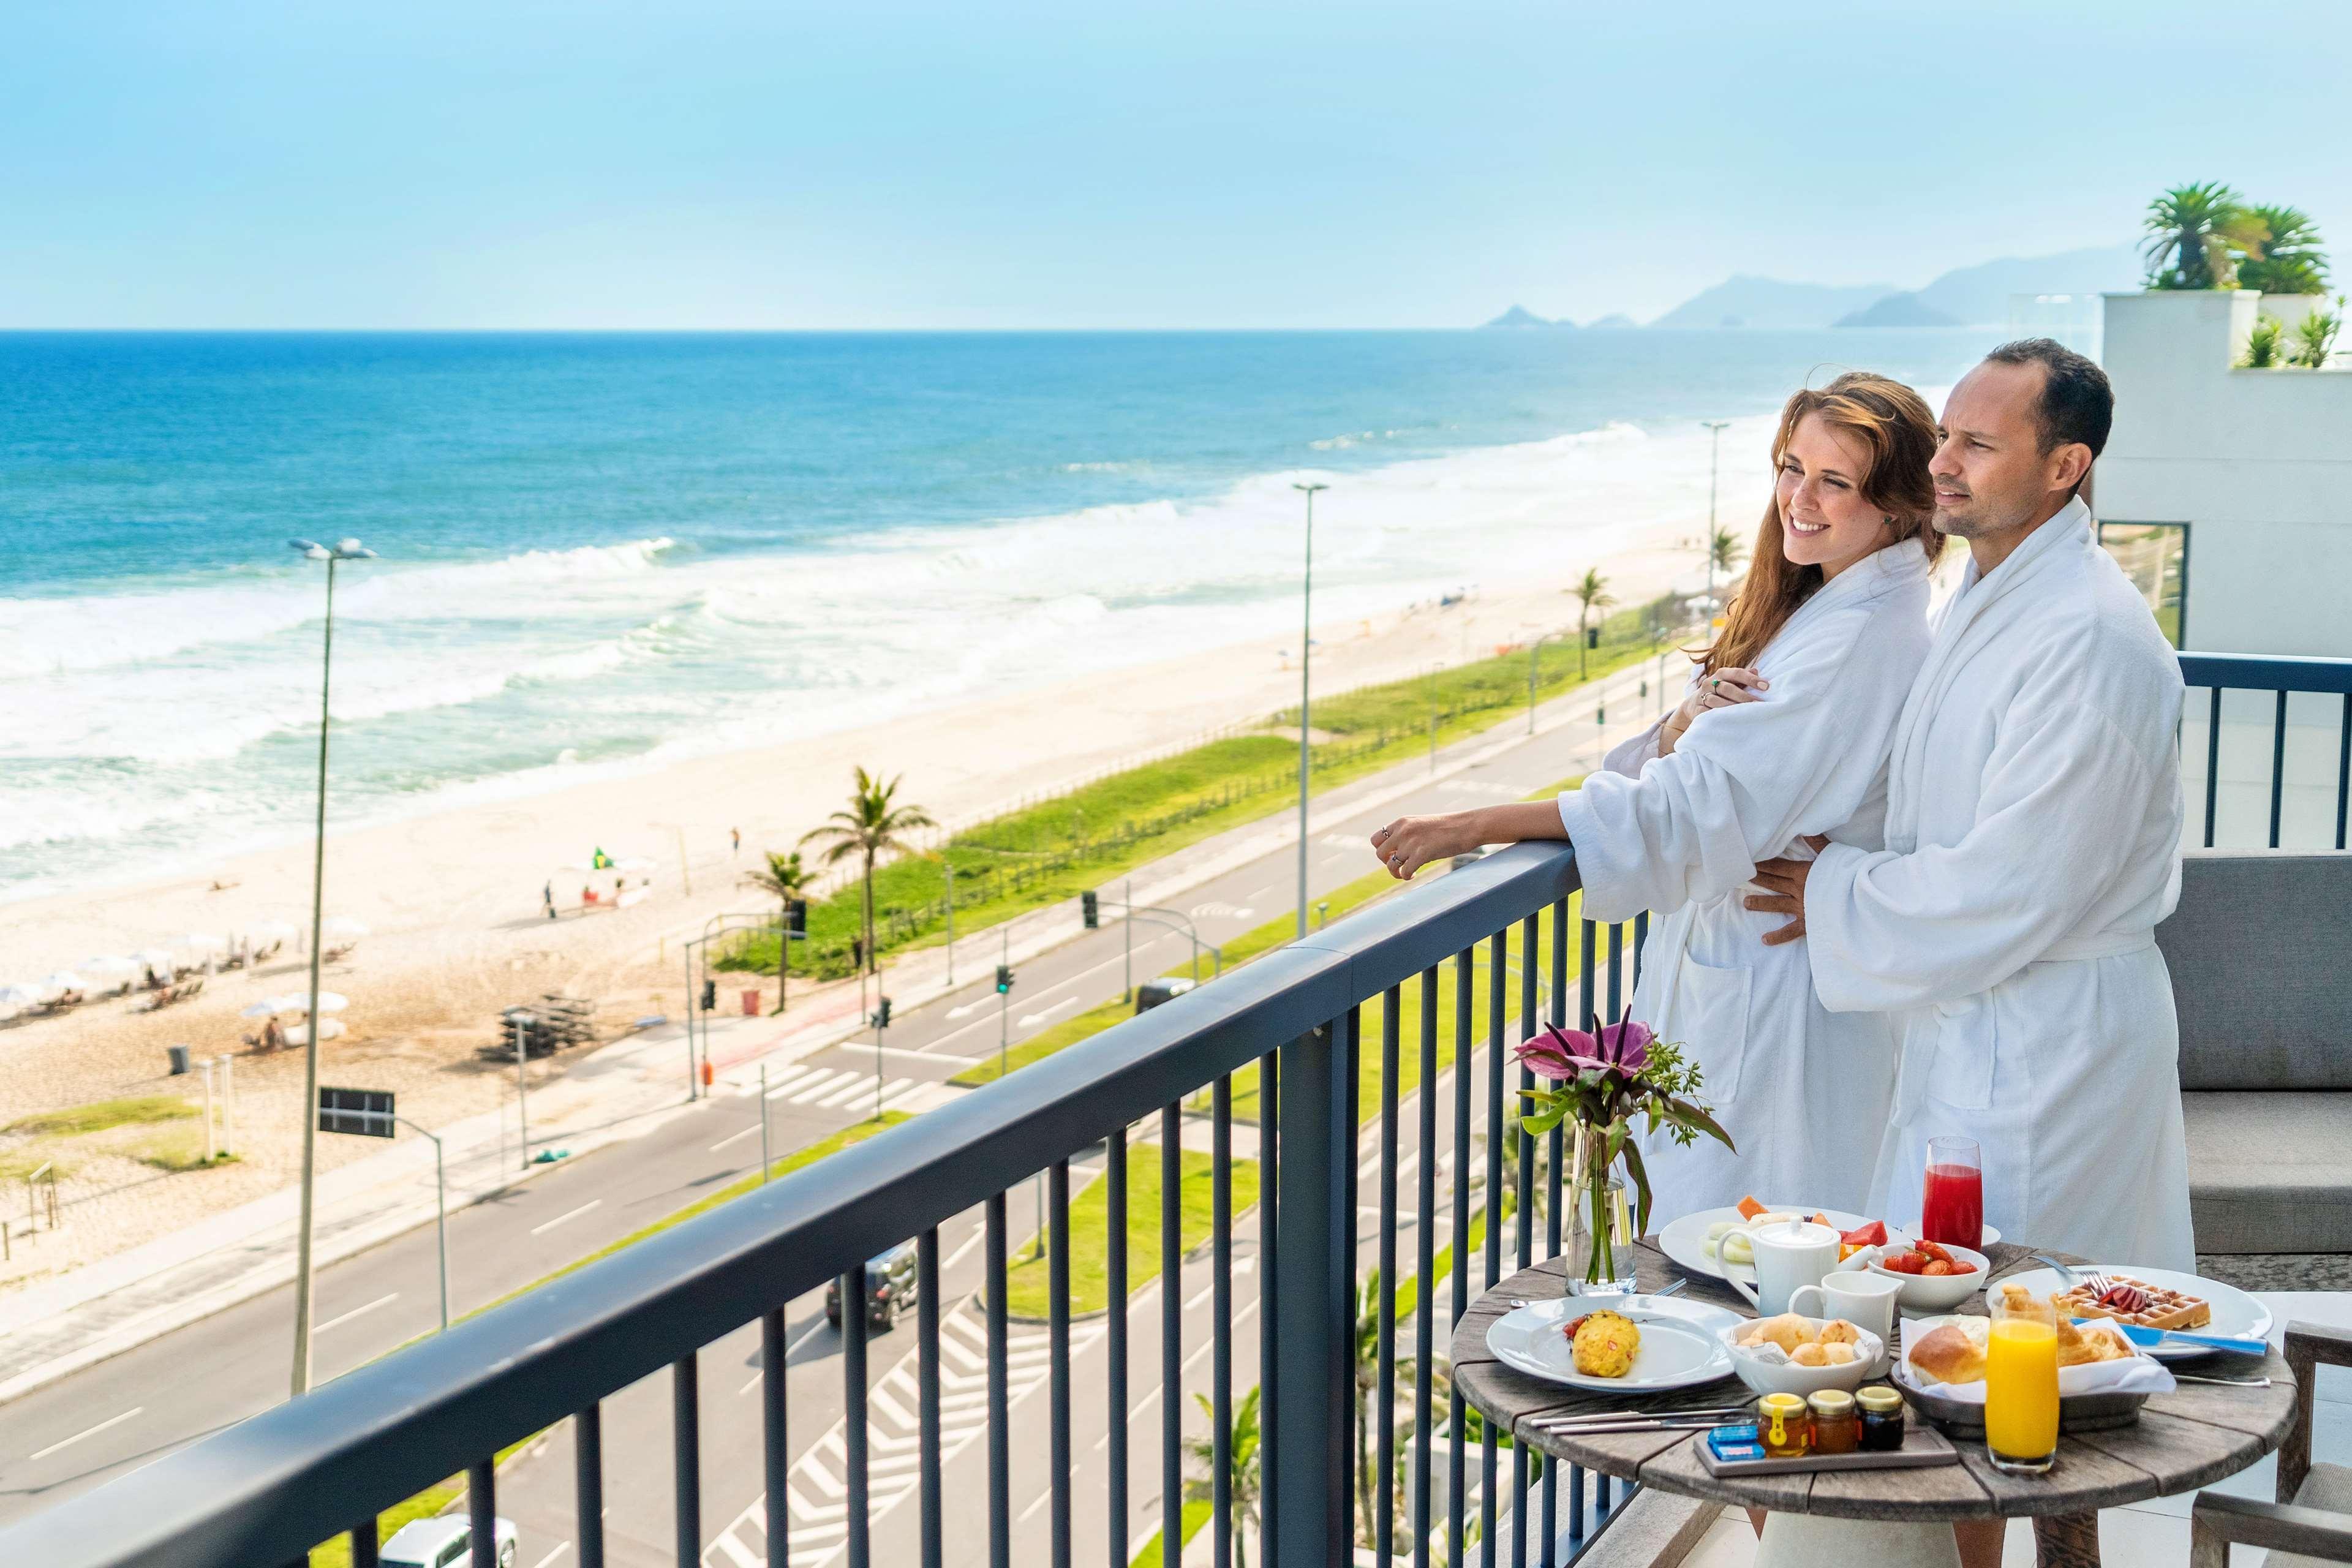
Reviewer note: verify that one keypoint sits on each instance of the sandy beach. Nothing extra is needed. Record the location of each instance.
(452, 899)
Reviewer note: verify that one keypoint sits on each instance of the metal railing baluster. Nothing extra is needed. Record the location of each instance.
(686, 1451)
(1115, 1370)
(2278, 766)
(363, 1544)
(775, 1448)
(2343, 768)
(1307, 1294)
(1384, 1310)
(1058, 1331)
(1220, 1317)
(1000, 1404)
(1616, 971)
(1171, 1335)
(1464, 1052)
(1497, 957)
(2212, 764)
(927, 1350)
(855, 1473)
(482, 1512)
(1529, 1024)
(1269, 1086)
(1424, 1312)
(1350, 1064)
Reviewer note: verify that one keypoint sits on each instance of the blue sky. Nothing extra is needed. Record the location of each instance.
(697, 164)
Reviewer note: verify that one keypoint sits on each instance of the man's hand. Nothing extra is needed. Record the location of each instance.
(1786, 882)
(1409, 843)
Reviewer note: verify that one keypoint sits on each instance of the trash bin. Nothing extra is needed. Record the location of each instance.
(752, 1004)
(179, 1055)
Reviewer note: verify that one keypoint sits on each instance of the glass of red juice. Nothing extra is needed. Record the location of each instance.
(1951, 1205)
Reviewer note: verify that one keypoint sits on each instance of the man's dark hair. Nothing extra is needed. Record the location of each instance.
(2077, 403)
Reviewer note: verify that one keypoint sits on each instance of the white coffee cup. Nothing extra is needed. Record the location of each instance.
(1789, 1256)
(1866, 1301)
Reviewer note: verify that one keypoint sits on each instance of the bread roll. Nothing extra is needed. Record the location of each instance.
(1948, 1354)
(1836, 1354)
(1838, 1331)
(1788, 1331)
(1812, 1355)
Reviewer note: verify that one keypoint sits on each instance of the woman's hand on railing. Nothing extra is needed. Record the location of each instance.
(1718, 688)
(1409, 843)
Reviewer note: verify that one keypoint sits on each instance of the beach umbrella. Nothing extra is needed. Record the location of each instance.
(300, 1034)
(275, 930)
(265, 1008)
(110, 965)
(203, 941)
(155, 957)
(343, 925)
(329, 1002)
(14, 996)
(64, 980)
(633, 863)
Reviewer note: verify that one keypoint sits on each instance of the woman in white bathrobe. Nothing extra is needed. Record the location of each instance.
(1784, 731)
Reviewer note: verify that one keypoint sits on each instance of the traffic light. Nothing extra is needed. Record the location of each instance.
(1592, 636)
(882, 1014)
(796, 917)
(856, 953)
(1004, 978)
(710, 996)
(1090, 909)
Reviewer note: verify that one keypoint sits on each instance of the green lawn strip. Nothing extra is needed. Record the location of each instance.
(1196, 1516)
(1026, 1281)
(74, 1121)
(1050, 851)
(337, 1554)
(1250, 944)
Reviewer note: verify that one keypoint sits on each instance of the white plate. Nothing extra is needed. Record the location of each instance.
(1685, 1239)
(1680, 1342)
(2235, 1313)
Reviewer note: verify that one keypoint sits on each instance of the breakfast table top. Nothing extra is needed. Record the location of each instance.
(2185, 1439)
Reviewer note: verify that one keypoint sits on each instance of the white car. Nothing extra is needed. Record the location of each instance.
(444, 1542)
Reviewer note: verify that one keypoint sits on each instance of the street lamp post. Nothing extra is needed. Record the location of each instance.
(345, 549)
(440, 1213)
(1715, 429)
(1305, 641)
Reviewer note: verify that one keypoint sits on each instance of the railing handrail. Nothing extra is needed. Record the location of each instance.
(263, 1492)
(2266, 672)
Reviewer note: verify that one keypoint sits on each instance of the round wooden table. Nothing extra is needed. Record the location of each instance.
(2185, 1439)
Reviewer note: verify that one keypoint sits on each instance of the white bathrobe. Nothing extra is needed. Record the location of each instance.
(2032, 844)
(1803, 1092)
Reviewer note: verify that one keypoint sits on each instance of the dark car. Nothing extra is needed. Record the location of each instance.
(1154, 993)
(889, 1287)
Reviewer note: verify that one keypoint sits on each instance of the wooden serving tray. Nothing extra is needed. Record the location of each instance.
(1922, 1446)
(2077, 1412)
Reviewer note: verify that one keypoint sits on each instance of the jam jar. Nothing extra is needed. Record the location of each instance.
(1785, 1424)
(1881, 1419)
(1834, 1429)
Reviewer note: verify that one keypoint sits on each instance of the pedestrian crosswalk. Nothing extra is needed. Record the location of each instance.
(816, 1503)
(832, 1088)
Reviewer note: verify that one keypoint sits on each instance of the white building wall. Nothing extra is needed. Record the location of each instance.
(2258, 462)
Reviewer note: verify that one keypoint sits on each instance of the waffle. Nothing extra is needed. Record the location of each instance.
(2162, 1309)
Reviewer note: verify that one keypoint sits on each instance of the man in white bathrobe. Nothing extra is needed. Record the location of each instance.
(2032, 832)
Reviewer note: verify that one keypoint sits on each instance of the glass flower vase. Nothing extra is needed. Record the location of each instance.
(1601, 1223)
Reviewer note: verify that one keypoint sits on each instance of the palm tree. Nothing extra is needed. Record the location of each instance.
(2288, 259)
(871, 827)
(2195, 234)
(1593, 593)
(1242, 1472)
(784, 879)
(1726, 552)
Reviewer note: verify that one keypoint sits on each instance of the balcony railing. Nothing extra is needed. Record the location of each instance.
(1313, 1033)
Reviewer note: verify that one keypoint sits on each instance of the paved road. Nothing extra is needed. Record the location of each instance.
(121, 1413)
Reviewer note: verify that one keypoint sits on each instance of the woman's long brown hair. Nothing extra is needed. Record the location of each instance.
(1894, 426)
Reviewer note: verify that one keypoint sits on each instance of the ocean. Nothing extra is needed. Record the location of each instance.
(606, 551)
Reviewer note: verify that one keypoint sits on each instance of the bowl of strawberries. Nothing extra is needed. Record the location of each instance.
(1936, 1277)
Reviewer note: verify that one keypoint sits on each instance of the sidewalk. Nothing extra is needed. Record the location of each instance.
(619, 1091)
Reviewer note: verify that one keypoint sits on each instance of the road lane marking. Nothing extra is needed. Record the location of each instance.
(90, 1432)
(1144, 946)
(941, 1056)
(1031, 1020)
(967, 1010)
(863, 1086)
(978, 1235)
(733, 1137)
(778, 1082)
(559, 1219)
(355, 1313)
(560, 1548)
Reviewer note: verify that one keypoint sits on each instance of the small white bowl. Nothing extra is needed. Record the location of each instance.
(1939, 1293)
(1769, 1377)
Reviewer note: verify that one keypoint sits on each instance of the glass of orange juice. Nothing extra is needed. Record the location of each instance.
(2021, 1383)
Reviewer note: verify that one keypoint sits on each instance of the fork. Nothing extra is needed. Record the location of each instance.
(2066, 1271)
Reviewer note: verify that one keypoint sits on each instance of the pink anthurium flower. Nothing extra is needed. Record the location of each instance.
(1561, 1053)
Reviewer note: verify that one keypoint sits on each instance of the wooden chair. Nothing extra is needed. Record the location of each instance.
(2311, 1522)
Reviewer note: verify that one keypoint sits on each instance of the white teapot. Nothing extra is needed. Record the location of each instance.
(1791, 1254)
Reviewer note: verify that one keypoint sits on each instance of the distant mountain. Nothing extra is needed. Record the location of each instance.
(1744, 301)
(1978, 296)
(1615, 322)
(1896, 311)
(1520, 316)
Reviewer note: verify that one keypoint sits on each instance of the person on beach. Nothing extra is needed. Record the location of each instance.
(547, 897)
(2032, 844)
(1782, 731)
